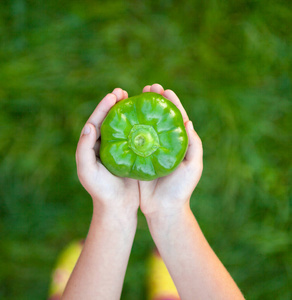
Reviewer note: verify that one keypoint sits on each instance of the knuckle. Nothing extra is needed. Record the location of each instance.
(112, 94)
(119, 90)
(198, 143)
(198, 140)
(81, 172)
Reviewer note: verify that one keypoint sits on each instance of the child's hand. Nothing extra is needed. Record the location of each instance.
(168, 194)
(100, 269)
(107, 191)
(99, 273)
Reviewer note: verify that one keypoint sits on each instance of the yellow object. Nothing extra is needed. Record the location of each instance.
(160, 284)
(64, 267)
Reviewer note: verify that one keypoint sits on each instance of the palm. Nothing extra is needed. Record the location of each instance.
(167, 192)
(110, 188)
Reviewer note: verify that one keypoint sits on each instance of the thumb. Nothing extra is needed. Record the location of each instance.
(194, 154)
(85, 153)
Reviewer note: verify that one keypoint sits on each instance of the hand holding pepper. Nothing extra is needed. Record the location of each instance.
(194, 267)
(173, 191)
(100, 270)
(106, 190)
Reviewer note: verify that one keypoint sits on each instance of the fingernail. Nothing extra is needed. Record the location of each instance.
(191, 125)
(86, 129)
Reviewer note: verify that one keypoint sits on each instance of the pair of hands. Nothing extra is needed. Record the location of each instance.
(124, 195)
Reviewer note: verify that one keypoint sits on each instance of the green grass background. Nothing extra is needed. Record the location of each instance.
(230, 64)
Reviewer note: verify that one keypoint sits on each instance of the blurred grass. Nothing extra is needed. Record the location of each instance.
(229, 62)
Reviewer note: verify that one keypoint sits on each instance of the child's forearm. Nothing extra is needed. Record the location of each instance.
(100, 270)
(194, 267)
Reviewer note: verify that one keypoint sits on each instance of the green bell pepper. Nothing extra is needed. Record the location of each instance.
(143, 137)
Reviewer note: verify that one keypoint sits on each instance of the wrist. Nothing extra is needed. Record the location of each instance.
(115, 217)
(169, 227)
(166, 218)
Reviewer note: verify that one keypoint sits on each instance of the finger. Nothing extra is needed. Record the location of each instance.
(119, 93)
(156, 88)
(194, 153)
(170, 95)
(101, 111)
(125, 94)
(85, 153)
(146, 88)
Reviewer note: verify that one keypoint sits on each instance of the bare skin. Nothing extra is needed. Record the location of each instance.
(195, 269)
(174, 190)
(100, 270)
